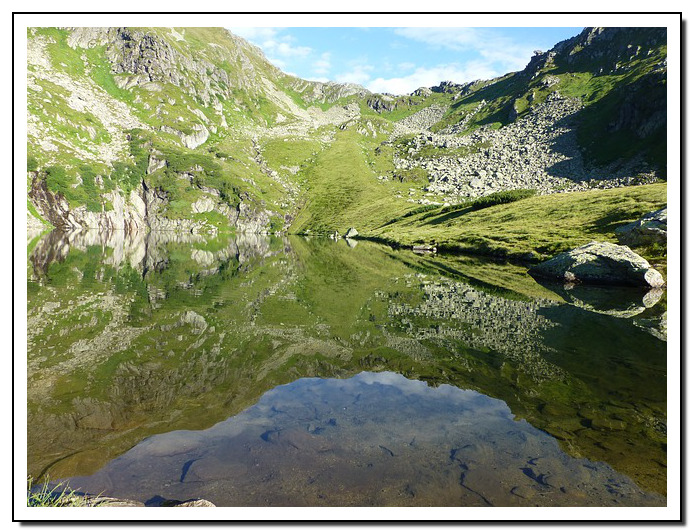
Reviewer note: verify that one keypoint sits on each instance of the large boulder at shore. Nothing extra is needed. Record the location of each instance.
(645, 231)
(600, 263)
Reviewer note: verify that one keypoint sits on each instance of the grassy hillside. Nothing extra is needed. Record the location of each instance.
(342, 189)
(533, 228)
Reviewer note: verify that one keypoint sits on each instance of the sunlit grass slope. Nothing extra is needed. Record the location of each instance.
(537, 227)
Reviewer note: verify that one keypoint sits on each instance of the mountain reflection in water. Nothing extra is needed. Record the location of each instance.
(130, 337)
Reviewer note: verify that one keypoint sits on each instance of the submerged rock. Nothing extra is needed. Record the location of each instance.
(649, 229)
(601, 263)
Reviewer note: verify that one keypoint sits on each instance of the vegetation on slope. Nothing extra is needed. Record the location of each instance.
(351, 181)
(533, 228)
(343, 191)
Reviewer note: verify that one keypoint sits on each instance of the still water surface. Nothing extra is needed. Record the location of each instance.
(280, 372)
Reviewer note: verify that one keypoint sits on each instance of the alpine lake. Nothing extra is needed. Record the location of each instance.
(251, 370)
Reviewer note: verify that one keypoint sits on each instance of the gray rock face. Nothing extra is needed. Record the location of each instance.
(649, 229)
(422, 91)
(424, 118)
(254, 220)
(601, 263)
(192, 140)
(124, 214)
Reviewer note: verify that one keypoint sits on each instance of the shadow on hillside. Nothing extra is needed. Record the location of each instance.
(448, 216)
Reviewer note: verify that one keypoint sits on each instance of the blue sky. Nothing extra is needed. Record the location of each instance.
(400, 60)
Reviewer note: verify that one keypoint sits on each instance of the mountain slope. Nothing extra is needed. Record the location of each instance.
(193, 129)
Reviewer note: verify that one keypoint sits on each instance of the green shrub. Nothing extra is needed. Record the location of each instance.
(229, 194)
(93, 195)
(502, 197)
(31, 164)
(126, 175)
(57, 180)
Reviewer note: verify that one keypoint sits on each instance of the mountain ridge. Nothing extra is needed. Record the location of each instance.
(193, 129)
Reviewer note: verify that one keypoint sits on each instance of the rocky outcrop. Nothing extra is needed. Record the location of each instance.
(538, 151)
(329, 92)
(382, 103)
(144, 59)
(648, 230)
(600, 263)
(425, 118)
(197, 137)
(253, 220)
(130, 215)
(145, 209)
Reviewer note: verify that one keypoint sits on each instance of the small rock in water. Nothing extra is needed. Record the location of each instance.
(423, 248)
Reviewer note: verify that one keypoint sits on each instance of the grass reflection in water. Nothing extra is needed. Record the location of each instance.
(131, 337)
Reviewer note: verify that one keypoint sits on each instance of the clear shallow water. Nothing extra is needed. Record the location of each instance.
(258, 371)
(376, 439)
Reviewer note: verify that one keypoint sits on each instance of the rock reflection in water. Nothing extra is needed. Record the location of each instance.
(618, 301)
(371, 440)
(142, 250)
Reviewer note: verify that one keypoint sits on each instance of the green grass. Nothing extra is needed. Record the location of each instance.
(45, 495)
(542, 226)
(502, 197)
(289, 152)
(342, 190)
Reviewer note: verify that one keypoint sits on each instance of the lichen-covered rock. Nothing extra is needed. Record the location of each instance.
(649, 229)
(601, 263)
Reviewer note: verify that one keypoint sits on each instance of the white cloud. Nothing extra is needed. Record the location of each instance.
(285, 49)
(322, 65)
(502, 52)
(273, 42)
(255, 34)
(452, 38)
(358, 73)
(432, 76)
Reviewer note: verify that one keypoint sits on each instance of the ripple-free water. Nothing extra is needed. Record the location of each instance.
(265, 372)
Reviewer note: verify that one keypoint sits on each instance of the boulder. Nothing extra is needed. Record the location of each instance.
(649, 229)
(423, 249)
(352, 232)
(600, 263)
